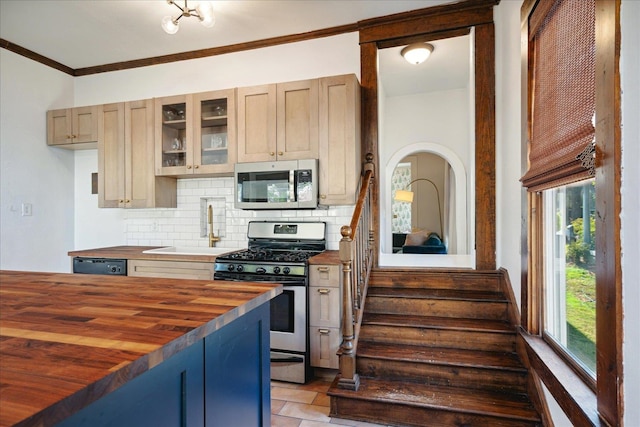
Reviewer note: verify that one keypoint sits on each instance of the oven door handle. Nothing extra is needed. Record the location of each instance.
(292, 359)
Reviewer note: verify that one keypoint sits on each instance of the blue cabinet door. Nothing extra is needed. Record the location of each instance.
(168, 395)
(237, 373)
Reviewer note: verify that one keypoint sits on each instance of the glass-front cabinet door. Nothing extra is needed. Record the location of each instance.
(196, 134)
(214, 132)
(174, 134)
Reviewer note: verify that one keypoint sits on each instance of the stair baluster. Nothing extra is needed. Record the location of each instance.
(356, 256)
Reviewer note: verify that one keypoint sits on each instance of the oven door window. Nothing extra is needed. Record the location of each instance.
(282, 312)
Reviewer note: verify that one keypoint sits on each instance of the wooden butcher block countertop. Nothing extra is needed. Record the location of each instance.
(136, 252)
(66, 340)
(326, 257)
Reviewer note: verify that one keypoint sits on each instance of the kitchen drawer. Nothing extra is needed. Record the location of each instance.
(324, 275)
(324, 306)
(170, 269)
(324, 343)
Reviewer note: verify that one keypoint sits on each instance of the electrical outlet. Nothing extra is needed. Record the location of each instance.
(27, 209)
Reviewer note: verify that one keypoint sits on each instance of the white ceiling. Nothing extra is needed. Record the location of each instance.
(85, 33)
(447, 68)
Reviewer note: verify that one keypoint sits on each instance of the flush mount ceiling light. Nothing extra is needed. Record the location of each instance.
(417, 53)
(203, 11)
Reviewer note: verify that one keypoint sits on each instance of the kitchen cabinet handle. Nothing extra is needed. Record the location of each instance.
(188, 166)
(323, 196)
(287, 359)
(127, 201)
(324, 331)
(324, 291)
(271, 153)
(121, 201)
(323, 269)
(280, 153)
(196, 166)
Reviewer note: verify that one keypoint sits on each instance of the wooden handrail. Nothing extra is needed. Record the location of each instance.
(356, 256)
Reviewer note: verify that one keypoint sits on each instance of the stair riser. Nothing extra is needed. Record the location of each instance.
(431, 280)
(437, 307)
(470, 340)
(406, 415)
(456, 376)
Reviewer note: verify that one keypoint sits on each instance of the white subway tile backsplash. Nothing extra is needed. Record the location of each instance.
(181, 226)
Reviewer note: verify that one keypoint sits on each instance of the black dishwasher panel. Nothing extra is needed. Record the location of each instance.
(117, 267)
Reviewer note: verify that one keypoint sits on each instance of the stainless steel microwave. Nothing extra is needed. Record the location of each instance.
(288, 184)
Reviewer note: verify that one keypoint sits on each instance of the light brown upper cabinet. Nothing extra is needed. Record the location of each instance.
(214, 139)
(126, 176)
(74, 128)
(340, 161)
(196, 134)
(278, 121)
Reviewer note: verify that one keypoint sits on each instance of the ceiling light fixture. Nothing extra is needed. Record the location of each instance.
(203, 11)
(417, 53)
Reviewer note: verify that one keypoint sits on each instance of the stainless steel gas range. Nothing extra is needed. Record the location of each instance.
(278, 253)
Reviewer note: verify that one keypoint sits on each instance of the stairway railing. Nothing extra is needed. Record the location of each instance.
(356, 256)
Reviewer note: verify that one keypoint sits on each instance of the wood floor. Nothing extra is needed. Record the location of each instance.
(297, 405)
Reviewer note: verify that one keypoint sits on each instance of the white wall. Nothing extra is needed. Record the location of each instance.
(94, 227)
(30, 171)
(508, 145)
(435, 117)
(295, 61)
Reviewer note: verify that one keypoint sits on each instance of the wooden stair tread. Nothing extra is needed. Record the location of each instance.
(450, 294)
(454, 399)
(437, 348)
(441, 356)
(449, 279)
(453, 323)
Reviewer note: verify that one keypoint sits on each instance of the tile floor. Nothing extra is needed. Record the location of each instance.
(305, 405)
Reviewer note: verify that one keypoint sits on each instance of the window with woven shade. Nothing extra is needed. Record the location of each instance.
(572, 298)
(561, 128)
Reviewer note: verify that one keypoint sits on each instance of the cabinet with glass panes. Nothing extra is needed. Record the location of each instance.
(196, 134)
(173, 134)
(215, 132)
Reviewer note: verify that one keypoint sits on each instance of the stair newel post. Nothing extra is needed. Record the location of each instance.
(348, 377)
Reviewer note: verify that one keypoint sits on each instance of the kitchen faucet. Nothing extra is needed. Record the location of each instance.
(212, 237)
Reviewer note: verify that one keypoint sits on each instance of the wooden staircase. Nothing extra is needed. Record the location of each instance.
(437, 349)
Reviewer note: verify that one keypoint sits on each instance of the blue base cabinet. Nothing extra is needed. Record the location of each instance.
(237, 375)
(221, 381)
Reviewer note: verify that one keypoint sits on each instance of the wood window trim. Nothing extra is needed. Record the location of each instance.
(573, 395)
(582, 405)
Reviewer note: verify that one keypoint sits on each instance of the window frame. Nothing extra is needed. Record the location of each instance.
(582, 404)
(549, 339)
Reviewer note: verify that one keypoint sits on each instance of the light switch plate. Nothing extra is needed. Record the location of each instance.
(27, 209)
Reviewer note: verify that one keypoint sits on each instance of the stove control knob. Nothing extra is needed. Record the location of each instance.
(231, 267)
(276, 270)
(286, 270)
(239, 267)
(261, 270)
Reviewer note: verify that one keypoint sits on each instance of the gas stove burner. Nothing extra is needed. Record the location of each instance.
(269, 255)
